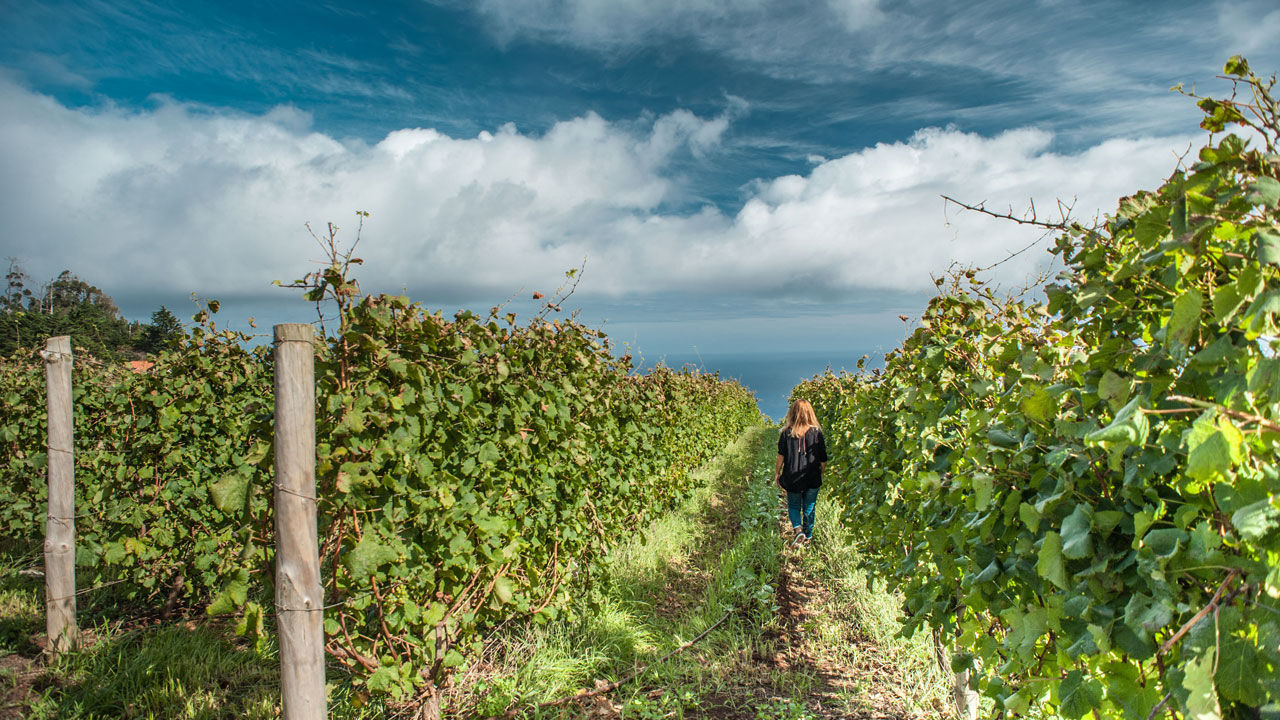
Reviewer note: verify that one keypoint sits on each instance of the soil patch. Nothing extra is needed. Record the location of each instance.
(853, 677)
(18, 679)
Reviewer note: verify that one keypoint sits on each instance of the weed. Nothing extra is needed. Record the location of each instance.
(661, 705)
(21, 609)
(784, 710)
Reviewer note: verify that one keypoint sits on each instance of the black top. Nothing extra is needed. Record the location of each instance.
(802, 459)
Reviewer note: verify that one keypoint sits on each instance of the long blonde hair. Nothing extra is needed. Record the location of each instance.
(800, 418)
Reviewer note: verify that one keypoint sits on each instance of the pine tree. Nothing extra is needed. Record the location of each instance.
(163, 330)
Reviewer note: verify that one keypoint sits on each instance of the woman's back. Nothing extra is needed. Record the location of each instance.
(803, 456)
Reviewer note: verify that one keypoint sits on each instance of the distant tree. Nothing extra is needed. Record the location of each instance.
(88, 314)
(13, 306)
(67, 305)
(164, 329)
(17, 294)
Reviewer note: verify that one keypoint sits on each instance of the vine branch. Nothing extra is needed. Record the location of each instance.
(1237, 414)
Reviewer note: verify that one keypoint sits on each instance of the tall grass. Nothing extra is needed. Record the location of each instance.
(174, 671)
(859, 624)
(181, 670)
(21, 607)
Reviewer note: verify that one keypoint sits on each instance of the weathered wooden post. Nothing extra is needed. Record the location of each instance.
(965, 698)
(299, 596)
(60, 528)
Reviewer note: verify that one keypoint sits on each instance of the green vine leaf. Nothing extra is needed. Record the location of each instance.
(1049, 563)
(230, 492)
(1076, 540)
(368, 555)
(1184, 320)
(233, 595)
(1256, 520)
(1080, 696)
(1264, 191)
(1202, 698)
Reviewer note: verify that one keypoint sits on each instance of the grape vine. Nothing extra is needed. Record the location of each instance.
(1085, 492)
(470, 470)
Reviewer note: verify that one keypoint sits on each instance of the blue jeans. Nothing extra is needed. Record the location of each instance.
(800, 509)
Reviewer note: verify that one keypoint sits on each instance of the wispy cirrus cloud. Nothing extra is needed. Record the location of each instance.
(1249, 27)
(1085, 69)
(145, 41)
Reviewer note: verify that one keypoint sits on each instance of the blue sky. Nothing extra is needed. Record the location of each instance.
(753, 175)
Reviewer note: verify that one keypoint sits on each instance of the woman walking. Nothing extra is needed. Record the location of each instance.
(802, 456)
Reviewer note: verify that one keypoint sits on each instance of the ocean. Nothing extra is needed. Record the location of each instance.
(771, 375)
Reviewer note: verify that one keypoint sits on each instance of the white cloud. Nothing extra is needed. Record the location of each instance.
(810, 38)
(874, 219)
(182, 198)
(858, 14)
(842, 39)
(53, 69)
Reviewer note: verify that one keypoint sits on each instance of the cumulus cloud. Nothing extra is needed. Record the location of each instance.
(183, 198)
(875, 219)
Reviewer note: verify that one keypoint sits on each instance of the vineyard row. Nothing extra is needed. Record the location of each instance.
(468, 471)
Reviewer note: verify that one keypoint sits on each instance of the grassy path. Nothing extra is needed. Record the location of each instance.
(841, 631)
(716, 554)
(808, 637)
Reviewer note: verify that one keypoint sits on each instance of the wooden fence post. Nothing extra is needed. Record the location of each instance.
(299, 596)
(966, 699)
(60, 528)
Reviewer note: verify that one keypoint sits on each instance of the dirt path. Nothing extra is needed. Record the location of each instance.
(853, 675)
(800, 599)
(831, 652)
(18, 676)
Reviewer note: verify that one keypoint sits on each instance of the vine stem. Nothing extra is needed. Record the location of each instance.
(555, 554)
(1160, 706)
(1213, 605)
(350, 649)
(1247, 417)
(1032, 220)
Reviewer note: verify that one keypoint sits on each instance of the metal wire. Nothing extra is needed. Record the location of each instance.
(287, 491)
